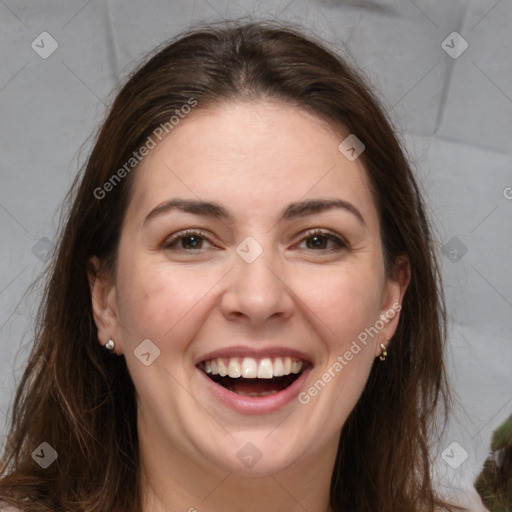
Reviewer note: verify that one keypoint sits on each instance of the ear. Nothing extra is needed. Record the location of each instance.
(392, 299)
(104, 304)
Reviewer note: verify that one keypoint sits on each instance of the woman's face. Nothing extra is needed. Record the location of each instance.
(230, 260)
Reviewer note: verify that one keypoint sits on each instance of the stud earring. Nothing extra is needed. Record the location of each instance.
(110, 345)
(384, 353)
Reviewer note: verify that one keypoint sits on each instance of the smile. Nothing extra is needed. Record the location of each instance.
(249, 376)
(253, 381)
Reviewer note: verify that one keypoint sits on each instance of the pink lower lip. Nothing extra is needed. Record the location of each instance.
(256, 404)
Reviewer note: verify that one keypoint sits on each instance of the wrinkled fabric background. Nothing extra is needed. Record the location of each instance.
(454, 113)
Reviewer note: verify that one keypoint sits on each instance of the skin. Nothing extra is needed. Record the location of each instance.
(255, 159)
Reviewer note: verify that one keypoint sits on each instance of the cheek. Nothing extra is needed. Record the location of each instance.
(346, 303)
(158, 304)
(346, 299)
(154, 298)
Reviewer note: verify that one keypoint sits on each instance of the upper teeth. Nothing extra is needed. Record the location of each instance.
(250, 368)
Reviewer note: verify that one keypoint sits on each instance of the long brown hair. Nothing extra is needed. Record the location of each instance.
(80, 399)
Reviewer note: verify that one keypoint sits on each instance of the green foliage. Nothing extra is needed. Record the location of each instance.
(494, 483)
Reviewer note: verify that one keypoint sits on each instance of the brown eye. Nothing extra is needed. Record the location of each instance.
(319, 240)
(189, 240)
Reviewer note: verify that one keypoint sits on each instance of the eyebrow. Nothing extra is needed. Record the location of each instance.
(217, 211)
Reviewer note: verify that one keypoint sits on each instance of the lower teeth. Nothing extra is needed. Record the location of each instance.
(265, 393)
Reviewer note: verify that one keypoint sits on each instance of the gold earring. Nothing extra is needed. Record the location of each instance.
(384, 354)
(110, 345)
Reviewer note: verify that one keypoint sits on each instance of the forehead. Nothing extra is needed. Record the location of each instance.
(255, 157)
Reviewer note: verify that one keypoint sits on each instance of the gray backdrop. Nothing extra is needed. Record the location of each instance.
(444, 71)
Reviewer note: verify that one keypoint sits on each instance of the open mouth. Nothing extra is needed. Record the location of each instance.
(255, 387)
(254, 377)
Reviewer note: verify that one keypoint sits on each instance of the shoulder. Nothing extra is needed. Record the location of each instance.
(4, 507)
(465, 500)
(8, 508)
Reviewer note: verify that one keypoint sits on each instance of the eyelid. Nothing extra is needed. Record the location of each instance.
(169, 241)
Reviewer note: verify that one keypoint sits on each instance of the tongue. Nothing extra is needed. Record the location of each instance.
(254, 386)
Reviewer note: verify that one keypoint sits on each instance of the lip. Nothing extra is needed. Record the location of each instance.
(260, 353)
(251, 405)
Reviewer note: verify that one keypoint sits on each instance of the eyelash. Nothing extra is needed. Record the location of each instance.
(169, 244)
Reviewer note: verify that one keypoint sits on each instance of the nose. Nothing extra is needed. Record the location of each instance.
(257, 293)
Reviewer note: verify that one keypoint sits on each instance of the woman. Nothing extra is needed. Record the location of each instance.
(245, 310)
